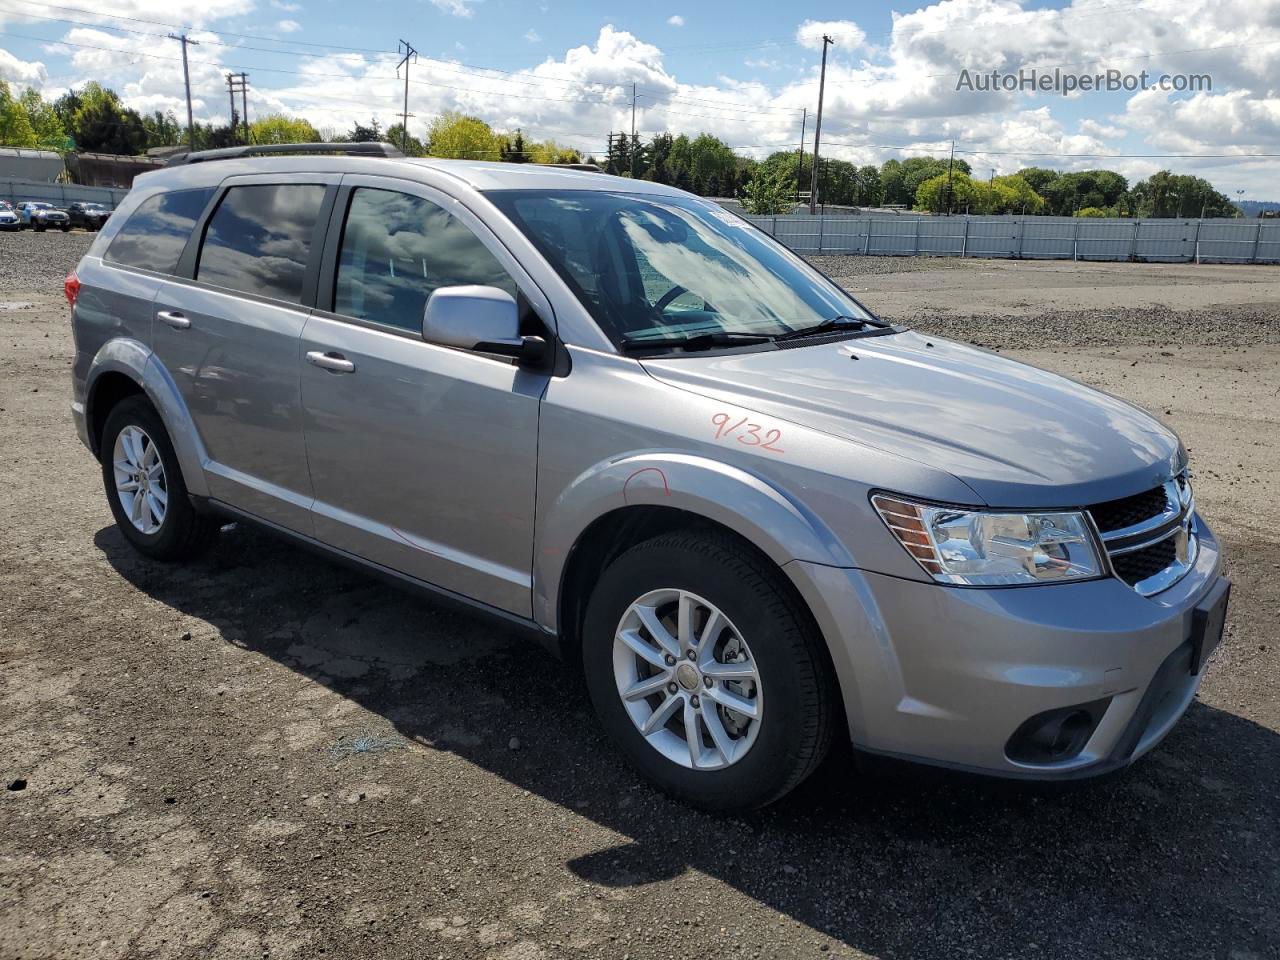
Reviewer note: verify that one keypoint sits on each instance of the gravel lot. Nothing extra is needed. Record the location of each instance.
(267, 755)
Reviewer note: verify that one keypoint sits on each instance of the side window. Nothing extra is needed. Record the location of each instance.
(155, 234)
(259, 239)
(396, 249)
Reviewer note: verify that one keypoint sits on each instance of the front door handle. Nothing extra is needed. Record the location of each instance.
(331, 361)
(174, 319)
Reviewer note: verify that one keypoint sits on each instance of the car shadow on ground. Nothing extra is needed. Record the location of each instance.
(1176, 856)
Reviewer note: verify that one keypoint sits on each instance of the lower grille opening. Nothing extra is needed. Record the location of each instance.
(1137, 566)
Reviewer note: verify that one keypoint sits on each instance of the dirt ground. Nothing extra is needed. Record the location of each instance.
(266, 755)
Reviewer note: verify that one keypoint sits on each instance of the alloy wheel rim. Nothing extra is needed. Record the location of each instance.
(687, 679)
(141, 485)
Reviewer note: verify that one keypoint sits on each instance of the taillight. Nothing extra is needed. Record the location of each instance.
(71, 287)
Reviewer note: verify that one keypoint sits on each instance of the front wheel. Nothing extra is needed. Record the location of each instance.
(706, 671)
(144, 485)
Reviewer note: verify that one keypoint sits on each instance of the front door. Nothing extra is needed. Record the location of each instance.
(230, 341)
(423, 458)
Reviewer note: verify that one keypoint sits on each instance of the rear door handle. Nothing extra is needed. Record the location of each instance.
(174, 319)
(331, 361)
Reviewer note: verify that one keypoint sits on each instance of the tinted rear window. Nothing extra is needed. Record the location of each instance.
(259, 239)
(154, 236)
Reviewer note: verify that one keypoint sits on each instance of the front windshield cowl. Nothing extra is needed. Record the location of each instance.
(677, 272)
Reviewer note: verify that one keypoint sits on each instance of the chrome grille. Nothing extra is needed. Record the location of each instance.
(1127, 511)
(1150, 536)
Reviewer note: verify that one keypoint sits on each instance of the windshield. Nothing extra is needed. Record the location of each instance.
(665, 269)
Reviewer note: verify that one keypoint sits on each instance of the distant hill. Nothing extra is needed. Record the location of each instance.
(1251, 208)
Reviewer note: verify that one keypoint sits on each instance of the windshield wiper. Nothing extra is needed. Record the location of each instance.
(830, 325)
(699, 341)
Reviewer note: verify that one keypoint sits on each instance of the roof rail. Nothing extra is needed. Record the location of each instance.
(370, 149)
(586, 167)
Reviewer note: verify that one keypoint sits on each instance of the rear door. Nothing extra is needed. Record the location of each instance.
(228, 334)
(423, 457)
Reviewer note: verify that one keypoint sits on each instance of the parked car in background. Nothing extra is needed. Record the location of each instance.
(9, 220)
(91, 216)
(39, 215)
(757, 516)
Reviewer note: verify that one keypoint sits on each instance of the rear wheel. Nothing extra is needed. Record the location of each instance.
(706, 672)
(144, 485)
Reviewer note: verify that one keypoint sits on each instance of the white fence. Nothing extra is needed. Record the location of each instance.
(59, 194)
(1047, 238)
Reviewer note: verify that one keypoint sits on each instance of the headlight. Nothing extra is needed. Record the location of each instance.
(984, 549)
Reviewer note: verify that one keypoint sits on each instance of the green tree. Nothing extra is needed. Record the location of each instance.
(100, 124)
(278, 128)
(868, 189)
(359, 133)
(513, 150)
(15, 126)
(163, 130)
(1011, 194)
(410, 145)
(938, 195)
(548, 151)
(770, 191)
(1166, 194)
(453, 134)
(44, 120)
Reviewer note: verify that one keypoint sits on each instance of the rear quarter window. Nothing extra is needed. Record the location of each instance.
(155, 234)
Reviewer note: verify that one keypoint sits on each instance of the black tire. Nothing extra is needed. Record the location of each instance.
(795, 675)
(183, 533)
(66, 228)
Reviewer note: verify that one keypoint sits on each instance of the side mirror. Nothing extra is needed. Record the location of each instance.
(479, 318)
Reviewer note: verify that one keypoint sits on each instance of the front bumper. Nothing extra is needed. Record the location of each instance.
(946, 675)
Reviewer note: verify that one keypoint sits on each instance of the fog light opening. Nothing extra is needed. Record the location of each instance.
(1056, 735)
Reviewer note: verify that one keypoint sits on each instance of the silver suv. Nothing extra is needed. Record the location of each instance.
(611, 412)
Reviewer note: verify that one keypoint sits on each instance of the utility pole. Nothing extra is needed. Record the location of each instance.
(231, 94)
(804, 120)
(186, 82)
(950, 161)
(239, 83)
(817, 130)
(633, 130)
(409, 54)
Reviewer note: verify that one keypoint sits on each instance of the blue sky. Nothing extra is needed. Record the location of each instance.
(742, 71)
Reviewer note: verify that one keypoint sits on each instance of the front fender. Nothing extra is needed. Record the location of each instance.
(139, 363)
(733, 497)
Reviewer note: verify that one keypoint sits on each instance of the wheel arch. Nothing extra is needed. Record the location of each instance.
(125, 367)
(618, 504)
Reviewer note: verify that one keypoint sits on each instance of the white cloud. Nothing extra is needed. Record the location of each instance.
(1101, 130)
(22, 73)
(531, 36)
(846, 34)
(288, 26)
(286, 6)
(675, 20)
(456, 8)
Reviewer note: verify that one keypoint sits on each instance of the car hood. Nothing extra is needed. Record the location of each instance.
(1017, 435)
